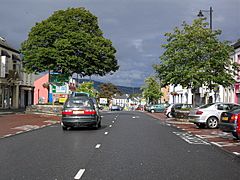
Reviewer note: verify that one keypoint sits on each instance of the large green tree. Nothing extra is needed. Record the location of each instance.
(69, 41)
(194, 56)
(152, 90)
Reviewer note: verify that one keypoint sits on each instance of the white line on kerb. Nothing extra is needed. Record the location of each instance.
(106, 133)
(7, 135)
(19, 132)
(79, 174)
(97, 146)
(236, 153)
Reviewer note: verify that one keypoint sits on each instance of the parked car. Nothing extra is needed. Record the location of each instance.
(230, 122)
(79, 94)
(80, 111)
(178, 107)
(209, 114)
(158, 108)
(115, 108)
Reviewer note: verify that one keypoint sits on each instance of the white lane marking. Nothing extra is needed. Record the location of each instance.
(110, 125)
(113, 121)
(97, 146)
(106, 133)
(191, 139)
(225, 144)
(133, 117)
(236, 153)
(79, 174)
(216, 144)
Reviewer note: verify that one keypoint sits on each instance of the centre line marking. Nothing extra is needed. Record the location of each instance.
(106, 133)
(97, 146)
(110, 125)
(79, 174)
(113, 121)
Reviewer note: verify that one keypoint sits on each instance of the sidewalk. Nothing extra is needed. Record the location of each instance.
(14, 122)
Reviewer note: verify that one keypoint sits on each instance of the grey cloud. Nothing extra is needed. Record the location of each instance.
(136, 27)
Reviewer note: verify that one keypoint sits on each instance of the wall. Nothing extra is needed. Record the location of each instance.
(40, 92)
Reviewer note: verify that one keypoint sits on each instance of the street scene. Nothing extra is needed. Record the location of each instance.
(119, 90)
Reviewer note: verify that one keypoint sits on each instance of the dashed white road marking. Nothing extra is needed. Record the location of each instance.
(191, 139)
(106, 133)
(113, 121)
(110, 125)
(79, 174)
(97, 146)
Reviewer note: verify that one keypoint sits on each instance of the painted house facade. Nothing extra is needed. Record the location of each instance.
(16, 87)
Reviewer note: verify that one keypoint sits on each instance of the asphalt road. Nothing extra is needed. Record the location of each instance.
(129, 146)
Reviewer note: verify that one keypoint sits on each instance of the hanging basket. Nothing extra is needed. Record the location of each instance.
(46, 85)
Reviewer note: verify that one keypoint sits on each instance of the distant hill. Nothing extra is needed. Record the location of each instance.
(123, 89)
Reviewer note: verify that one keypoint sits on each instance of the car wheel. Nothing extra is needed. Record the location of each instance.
(169, 115)
(212, 122)
(201, 125)
(235, 135)
(152, 111)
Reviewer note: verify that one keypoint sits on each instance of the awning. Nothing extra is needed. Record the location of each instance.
(5, 53)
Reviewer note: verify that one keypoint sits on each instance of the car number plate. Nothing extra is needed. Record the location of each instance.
(78, 112)
(224, 118)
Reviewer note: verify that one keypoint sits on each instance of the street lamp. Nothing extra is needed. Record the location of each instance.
(200, 14)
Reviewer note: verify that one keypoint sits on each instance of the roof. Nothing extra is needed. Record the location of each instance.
(5, 45)
(236, 44)
(124, 96)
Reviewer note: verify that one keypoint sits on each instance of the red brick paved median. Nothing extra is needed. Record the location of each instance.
(11, 124)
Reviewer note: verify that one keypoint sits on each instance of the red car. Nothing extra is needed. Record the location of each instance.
(230, 122)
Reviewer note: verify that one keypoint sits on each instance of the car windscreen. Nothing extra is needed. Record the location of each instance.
(79, 103)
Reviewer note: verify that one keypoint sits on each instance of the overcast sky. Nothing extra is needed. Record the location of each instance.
(136, 27)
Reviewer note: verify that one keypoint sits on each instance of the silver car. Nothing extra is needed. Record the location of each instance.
(80, 112)
(209, 114)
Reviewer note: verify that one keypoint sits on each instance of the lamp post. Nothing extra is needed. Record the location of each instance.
(200, 14)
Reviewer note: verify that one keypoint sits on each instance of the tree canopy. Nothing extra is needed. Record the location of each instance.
(152, 90)
(69, 41)
(88, 88)
(194, 56)
(108, 90)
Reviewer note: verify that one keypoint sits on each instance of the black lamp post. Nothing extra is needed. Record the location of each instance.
(200, 14)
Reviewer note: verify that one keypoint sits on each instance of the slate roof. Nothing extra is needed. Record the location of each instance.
(5, 45)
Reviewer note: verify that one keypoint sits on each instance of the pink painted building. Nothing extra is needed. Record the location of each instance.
(236, 58)
(40, 92)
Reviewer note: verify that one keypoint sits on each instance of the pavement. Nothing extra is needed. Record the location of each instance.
(13, 122)
(216, 137)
